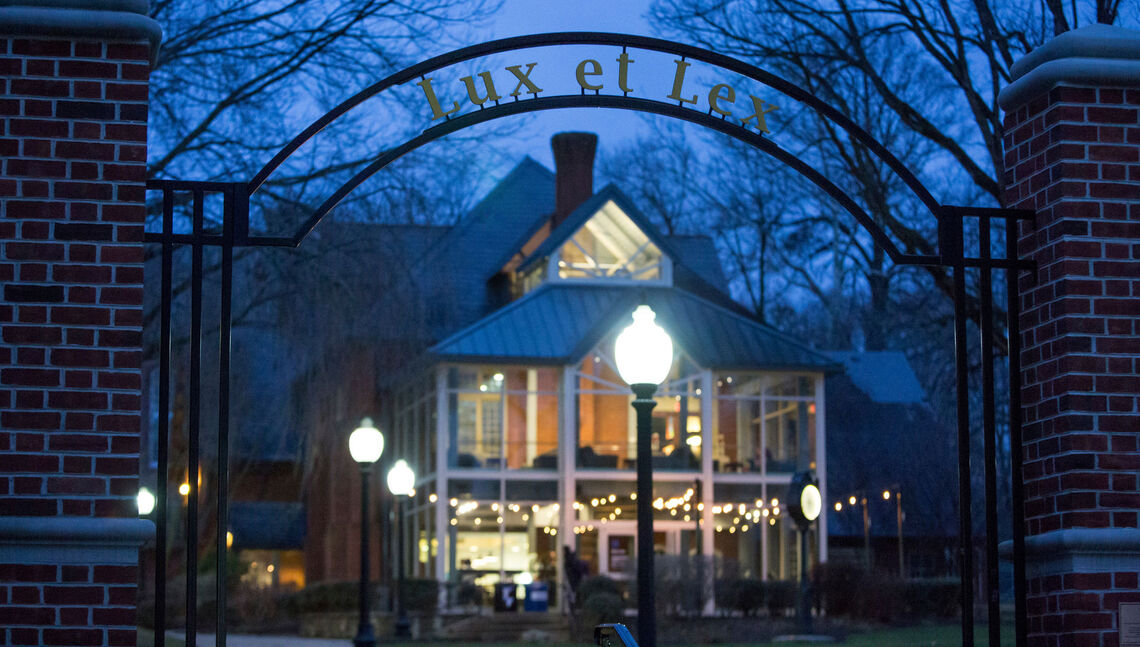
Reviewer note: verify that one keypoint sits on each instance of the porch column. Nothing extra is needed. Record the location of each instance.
(1072, 145)
(73, 129)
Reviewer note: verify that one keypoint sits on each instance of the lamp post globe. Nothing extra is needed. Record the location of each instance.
(146, 501)
(365, 445)
(401, 478)
(805, 505)
(401, 482)
(643, 353)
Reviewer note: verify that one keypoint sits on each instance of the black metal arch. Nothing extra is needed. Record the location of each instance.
(613, 101)
(951, 255)
(626, 103)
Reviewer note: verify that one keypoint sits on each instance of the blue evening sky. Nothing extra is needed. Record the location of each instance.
(521, 17)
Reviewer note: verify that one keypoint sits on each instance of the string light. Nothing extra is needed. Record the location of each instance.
(838, 506)
(432, 498)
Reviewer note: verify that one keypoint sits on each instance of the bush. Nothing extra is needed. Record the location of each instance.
(332, 596)
(747, 596)
(838, 587)
(780, 596)
(932, 598)
(595, 585)
(421, 595)
(602, 607)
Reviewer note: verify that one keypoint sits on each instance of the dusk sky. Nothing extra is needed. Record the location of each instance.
(521, 17)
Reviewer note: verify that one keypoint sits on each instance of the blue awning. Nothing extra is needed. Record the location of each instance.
(560, 323)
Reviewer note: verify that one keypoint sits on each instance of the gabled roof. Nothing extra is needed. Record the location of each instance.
(587, 210)
(884, 376)
(558, 324)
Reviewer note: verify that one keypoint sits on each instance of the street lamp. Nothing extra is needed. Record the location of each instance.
(643, 353)
(366, 443)
(899, 521)
(401, 481)
(146, 502)
(804, 505)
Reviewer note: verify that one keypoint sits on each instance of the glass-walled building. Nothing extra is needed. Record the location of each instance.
(524, 439)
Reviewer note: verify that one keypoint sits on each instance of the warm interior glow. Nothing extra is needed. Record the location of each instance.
(643, 351)
(366, 443)
(229, 539)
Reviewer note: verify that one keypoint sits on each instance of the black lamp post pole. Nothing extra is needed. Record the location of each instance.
(643, 404)
(365, 637)
(403, 626)
(803, 606)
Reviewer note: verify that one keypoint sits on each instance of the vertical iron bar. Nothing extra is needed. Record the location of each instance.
(643, 404)
(163, 436)
(989, 433)
(228, 216)
(194, 418)
(954, 248)
(1013, 313)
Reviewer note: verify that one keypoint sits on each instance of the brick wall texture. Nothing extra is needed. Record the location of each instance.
(1074, 157)
(73, 148)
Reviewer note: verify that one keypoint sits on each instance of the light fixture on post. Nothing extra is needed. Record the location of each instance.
(643, 353)
(146, 502)
(899, 521)
(366, 444)
(402, 483)
(805, 504)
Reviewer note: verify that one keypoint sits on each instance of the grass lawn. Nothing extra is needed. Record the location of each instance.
(920, 636)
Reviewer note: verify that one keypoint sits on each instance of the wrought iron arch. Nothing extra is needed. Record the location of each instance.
(951, 254)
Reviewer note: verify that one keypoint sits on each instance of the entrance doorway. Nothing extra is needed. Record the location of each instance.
(617, 545)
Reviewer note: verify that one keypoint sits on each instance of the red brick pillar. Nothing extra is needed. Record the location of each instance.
(73, 111)
(1072, 139)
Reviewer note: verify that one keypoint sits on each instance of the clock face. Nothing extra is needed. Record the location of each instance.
(810, 502)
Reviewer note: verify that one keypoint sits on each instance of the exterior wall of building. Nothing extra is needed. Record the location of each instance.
(73, 124)
(1073, 155)
(501, 519)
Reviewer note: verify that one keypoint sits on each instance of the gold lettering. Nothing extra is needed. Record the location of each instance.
(436, 111)
(679, 81)
(623, 67)
(758, 112)
(472, 94)
(581, 73)
(715, 97)
(524, 79)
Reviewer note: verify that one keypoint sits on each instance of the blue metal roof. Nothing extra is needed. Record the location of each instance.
(268, 524)
(559, 323)
(885, 376)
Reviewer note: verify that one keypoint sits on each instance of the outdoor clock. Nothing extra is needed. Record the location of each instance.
(804, 500)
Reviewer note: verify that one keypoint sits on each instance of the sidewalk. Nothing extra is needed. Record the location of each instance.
(248, 640)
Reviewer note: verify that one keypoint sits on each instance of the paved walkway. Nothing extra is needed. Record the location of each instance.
(248, 640)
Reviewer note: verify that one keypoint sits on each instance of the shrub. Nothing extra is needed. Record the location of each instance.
(780, 596)
(602, 607)
(932, 598)
(596, 584)
(747, 596)
(332, 596)
(421, 594)
(838, 586)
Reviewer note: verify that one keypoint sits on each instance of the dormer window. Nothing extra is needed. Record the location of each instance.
(609, 246)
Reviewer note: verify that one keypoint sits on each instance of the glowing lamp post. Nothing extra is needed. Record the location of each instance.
(644, 354)
(401, 482)
(366, 444)
(146, 502)
(804, 506)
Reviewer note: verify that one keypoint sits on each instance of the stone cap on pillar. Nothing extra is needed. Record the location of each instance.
(1097, 55)
(97, 19)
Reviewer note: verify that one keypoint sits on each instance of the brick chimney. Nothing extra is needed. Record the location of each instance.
(574, 172)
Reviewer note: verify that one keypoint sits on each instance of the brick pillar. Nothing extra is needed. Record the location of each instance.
(73, 110)
(1072, 140)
